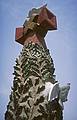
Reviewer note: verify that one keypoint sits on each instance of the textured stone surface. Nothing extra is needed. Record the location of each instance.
(33, 68)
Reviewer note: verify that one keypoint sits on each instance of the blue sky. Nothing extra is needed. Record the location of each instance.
(61, 43)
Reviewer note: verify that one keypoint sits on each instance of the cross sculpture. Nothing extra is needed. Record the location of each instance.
(36, 95)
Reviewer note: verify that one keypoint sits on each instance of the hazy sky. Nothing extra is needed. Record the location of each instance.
(61, 43)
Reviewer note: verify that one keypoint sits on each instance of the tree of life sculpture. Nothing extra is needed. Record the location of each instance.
(36, 95)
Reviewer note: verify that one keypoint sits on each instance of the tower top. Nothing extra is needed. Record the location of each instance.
(38, 22)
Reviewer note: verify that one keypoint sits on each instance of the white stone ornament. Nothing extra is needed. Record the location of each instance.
(64, 94)
(51, 90)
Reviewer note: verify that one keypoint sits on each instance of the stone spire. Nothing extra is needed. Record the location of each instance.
(36, 94)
